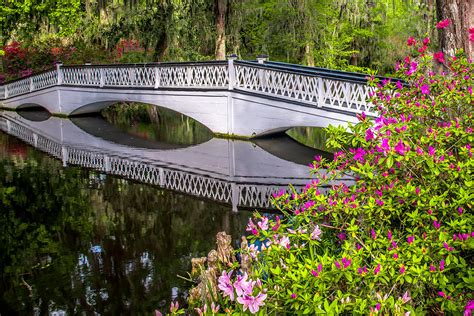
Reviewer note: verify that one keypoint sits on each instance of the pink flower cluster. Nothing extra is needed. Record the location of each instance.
(243, 289)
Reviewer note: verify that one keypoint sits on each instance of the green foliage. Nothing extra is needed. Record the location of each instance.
(399, 238)
(351, 35)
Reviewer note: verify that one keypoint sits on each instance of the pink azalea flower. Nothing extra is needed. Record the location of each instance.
(242, 286)
(263, 224)
(225, 285)
(174, 307)
(410, 239)
(158, 313)
(250, 226)
(377, 269)
(470, 304)
(362, 270)
(406, 297)
(369, 135)
(411, 41)
(359, 154)
(439, 56)
(402, 269)
(425, 89)
(341, 236)
(293, 295)
(201, 311)
(447, 247)
(277, 224)
(316, 233)
(436, 224)
(385, 145)
(471, 34)
(252, 303)
(400, 148)
(346, 262)
(337, 264)
(441, 265)
(285, 242)
(426, 41)
(442, 24)
(399, 85)
(215, 308)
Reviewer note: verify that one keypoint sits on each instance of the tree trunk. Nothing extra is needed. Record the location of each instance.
(221, 10)
(309, 55)
(456, 36)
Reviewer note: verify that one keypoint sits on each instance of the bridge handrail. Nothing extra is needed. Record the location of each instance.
(304, 86)
(304, 70)
(150, 64)
(340, 91)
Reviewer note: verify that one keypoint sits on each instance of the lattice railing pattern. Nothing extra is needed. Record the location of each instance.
(129, 76)
(44, 80)
(196, 76)
(18, 87)
(79, 76)
(249, 195)
(311, 89)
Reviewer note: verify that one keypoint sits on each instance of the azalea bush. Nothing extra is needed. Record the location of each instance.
(399, 239)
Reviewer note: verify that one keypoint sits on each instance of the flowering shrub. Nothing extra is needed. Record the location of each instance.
(400, 238)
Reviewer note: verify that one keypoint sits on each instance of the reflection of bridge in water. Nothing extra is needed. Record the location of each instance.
(234, 172)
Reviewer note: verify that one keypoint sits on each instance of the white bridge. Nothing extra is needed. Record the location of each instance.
(233, 97)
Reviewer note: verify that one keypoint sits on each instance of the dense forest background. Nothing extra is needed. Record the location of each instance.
(352, 35)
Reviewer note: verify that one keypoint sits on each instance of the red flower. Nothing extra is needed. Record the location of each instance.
(442, 24)
(439, 56)
(471, 34)
(411, 41)
(426, 41)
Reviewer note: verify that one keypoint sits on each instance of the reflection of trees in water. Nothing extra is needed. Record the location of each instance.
(310, 136)
(54, 215)
(159, 124)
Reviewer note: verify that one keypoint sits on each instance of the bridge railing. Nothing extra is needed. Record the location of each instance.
(38, 81)
(312, 86)
(155, 75)
(347, 93)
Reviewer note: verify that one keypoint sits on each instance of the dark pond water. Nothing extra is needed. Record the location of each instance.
(87, 239)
